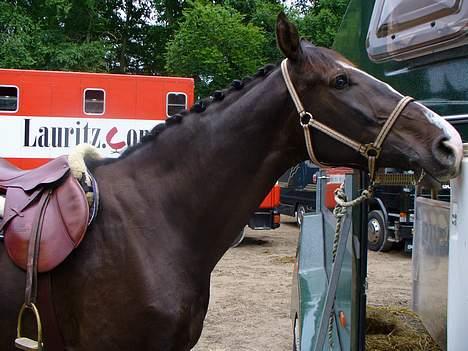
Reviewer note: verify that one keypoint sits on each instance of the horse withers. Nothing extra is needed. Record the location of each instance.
(141, 278)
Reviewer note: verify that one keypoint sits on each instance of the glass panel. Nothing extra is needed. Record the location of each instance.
(172, 110)
(402, 14)
(94, 101)
(176, 99)
(8, 99)
(404, 29)
(176, 103)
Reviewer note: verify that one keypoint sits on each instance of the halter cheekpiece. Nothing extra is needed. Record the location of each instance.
(371, 151)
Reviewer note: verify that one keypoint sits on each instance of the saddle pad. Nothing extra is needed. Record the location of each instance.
(64, 225)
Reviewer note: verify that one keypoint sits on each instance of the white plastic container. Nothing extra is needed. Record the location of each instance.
(457, 305)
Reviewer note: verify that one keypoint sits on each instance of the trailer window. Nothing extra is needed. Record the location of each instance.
(94, 101)
(402, 29)
(400, 14)
(176, 102)
(8, 98)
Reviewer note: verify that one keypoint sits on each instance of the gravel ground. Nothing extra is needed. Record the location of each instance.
(250, 291)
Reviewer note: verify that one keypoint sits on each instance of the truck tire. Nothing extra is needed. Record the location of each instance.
(377, 233)
(300, 212)
(237, 241)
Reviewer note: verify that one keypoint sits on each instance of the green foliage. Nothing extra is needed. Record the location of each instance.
(129, 24)
(213, 41)
(36, 35)
(69, 56)
(245, 7)
(321, 21)
(18, 48)
(264, 17)
(169, 12)
(213, 45)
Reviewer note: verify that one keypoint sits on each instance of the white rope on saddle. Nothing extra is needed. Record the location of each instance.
(77, 164)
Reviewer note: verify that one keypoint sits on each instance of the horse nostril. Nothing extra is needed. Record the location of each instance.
(447, 148)
(444, 151)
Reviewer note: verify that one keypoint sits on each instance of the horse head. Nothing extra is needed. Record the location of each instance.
(357, 106)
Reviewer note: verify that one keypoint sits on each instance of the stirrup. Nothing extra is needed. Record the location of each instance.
(24, 343)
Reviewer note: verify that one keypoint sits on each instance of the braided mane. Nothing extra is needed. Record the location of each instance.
(198, 107)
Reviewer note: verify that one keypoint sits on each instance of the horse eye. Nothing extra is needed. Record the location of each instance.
(341, 81)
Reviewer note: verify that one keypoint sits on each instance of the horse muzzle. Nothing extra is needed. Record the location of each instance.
(447, 153)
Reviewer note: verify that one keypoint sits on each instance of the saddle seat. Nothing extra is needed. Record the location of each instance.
(11, 176)
(65, 218)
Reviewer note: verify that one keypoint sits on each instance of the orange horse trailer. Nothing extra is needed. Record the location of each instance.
(43, 114)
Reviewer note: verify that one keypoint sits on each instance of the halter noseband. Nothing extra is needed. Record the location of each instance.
(370, 151)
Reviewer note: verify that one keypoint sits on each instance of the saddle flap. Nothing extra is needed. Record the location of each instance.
(28, 180)
(64, 225)
(17, 202)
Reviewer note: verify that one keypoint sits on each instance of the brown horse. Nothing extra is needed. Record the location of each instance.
(172, 205)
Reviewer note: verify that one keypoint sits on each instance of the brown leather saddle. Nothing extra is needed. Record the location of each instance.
(46, 214)
(63, 216)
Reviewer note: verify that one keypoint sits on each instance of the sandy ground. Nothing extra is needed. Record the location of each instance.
(250, 291)
(389, 275)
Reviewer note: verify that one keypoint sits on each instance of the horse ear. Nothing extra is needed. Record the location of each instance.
(287, 37)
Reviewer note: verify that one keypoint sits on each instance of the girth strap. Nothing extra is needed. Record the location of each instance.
(370, 151)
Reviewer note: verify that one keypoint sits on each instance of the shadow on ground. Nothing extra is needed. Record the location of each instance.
(249, 241)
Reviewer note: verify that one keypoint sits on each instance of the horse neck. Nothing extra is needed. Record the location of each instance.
(209, 173)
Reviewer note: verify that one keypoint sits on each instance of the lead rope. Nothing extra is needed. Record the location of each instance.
(340, 210)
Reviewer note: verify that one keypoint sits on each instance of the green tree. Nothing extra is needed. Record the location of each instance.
(302, 6)
(18, 39)
(133, 35)
(214, 46)
(169, 12)
(36, 34)
(264, 17)
(261, 13)
(128, 24)
(322, 20)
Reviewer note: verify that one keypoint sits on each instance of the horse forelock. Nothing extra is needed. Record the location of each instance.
(322, 60)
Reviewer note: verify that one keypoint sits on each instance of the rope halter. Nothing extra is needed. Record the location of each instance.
(371, 151)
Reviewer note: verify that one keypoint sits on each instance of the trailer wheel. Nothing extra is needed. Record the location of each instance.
(239, 238)
(300, 212)
(377, 233)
